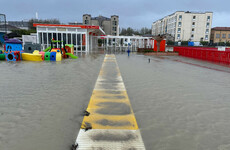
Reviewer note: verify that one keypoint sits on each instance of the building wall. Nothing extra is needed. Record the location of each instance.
(94, 23)
(185, 26)
(87, 19)
(106, 27)
(220, 36)
(114, 25)
(109, 25)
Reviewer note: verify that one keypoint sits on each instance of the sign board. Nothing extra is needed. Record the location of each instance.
(221, 48)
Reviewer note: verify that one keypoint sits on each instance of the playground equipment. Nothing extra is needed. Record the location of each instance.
(35, 56)
(13, 50)
(2, 55)
(30, 47)
(61, 50)
(57, 51)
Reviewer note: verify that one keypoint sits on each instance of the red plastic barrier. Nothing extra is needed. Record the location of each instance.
(205, 53)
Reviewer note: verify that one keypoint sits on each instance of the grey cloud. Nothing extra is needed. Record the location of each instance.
(133, 13)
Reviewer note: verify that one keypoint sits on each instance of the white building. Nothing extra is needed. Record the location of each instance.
(83, 37)
(185, 26)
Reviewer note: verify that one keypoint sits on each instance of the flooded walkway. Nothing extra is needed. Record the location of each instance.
(110, 123)
(178, 103)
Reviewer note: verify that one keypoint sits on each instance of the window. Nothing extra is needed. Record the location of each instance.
(207, 30)
(180, 17)
(223, 36)
(229, 36)
(178, 36)
(86, 21)
(69, 38)
(208, 18)
(192, 36)
(54, 36)
(49, 38)
(114, 23)
(179, 30)
(207, 25)
(45, 38)
(194, 18)
(114, 19)
(179, 24)
(74, 39)
(40, 38)
(64, 37)
(114, 29)
(59, 37)
(86, 17)
(206, 37)
(193, 24)
(193, 29)
(217, 36)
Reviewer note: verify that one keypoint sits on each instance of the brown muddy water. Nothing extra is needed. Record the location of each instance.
(179, 103)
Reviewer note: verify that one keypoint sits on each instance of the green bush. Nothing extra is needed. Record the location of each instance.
(221, 44)
(184, 43)
(170, 43)
(147, 51)
(204, 43)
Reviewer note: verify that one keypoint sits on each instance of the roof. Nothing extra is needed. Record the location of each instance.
(64, 25)
(100, 18)
(221, 28)
(192, 12)
(91, 28)
(15, 41)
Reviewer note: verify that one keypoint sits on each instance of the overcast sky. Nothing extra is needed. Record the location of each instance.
(132, 13)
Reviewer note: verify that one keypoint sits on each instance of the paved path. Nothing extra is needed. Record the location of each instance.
(111, 123)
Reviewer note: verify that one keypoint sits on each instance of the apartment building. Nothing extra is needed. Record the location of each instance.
(109, 25)
(220, 34)
(185, 26)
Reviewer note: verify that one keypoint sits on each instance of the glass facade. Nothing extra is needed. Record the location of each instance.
(78, 37)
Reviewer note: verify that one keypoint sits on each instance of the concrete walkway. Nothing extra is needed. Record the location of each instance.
(111, 123)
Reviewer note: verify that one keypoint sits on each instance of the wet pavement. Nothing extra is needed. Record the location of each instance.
(179, 103)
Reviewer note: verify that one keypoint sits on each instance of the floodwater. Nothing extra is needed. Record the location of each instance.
(42, 103)
(179, 103)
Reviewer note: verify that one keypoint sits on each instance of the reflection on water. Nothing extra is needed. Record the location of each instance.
(179, 103)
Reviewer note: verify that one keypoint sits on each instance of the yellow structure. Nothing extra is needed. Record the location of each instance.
(58, 56)
(32, 57)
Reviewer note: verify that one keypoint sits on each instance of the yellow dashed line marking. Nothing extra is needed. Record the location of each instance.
(111, 115)
(102, 105)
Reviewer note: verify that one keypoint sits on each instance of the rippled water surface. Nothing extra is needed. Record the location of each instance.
(41, 103)
(179, 103)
